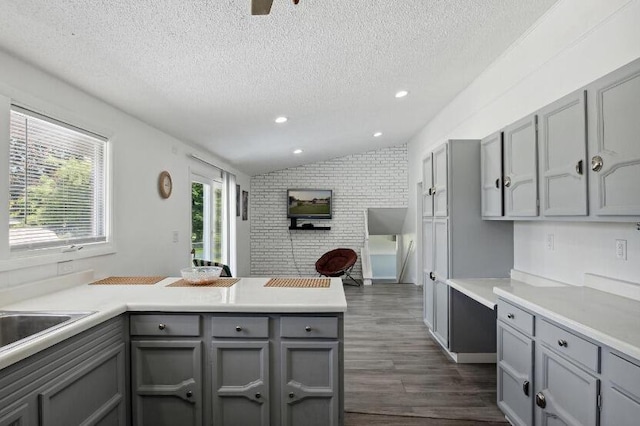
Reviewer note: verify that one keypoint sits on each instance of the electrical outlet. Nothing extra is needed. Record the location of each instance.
(621, 249)
(65, 267)
(550, 242)
(175, 236)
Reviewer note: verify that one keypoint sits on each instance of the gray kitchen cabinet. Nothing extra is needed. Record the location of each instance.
(563, 156)
(427, 186)
(515, 375)
(455, 246)
(491, 176)
(81, 380)
(240, 370)
(521, 168)
(565, 394)
(621, 391)
(614, 169)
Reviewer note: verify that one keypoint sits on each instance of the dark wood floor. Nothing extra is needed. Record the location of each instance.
(395, 374)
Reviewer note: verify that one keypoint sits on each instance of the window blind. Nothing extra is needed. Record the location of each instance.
(57, 182)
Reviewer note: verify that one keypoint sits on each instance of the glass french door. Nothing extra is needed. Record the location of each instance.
(207, 219)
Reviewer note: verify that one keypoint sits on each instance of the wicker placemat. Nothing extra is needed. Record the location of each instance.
(219, 282)
(299, 282)
(128, 281)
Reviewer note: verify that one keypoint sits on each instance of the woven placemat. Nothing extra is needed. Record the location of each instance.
(128, 281)
(299, 282)
(219, 282)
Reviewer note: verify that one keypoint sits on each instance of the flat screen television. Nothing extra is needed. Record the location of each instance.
(309, 203)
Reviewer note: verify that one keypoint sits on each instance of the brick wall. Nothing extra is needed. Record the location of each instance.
(359, 181)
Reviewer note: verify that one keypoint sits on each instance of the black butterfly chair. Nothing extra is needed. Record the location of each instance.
(336, 263)
(226, 272)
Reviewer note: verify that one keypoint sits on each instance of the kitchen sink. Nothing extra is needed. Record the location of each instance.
(19, 327)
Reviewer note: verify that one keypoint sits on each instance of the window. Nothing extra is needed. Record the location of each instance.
(57, 181)
(207, 219)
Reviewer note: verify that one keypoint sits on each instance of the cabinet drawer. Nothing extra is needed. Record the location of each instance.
(310, 327)
(623, 374)
(570, 345)
(243, 327)
(165, 325)
(515, 317)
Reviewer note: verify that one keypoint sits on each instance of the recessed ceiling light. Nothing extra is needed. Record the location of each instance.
(401, 94)
(377, 134)
(281, 120)
(297, 151)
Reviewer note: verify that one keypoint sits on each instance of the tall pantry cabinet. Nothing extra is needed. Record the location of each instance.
(457, 243)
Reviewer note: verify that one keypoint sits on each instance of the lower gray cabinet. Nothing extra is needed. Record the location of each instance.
(441, 314)
(621, 393)
(17, 415)
(310, 383)
(166, 381)
(240, 383)
(515, 371)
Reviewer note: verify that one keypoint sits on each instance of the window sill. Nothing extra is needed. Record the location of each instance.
(28, 260)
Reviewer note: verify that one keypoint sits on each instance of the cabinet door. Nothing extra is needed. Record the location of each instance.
(491, 172)
(440, 184)
(563, 156)
(92, 393)
(441, 249)
(441, 326)
(614, 147)
(621, 393)
(515, 370)
(428, 271)
(166, 379)
(240, 383)
(17, 415)
(521, 168)
(565, 394)
(310, 383)
(427, 186)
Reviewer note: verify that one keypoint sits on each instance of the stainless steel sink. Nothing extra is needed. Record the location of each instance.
(19, 327)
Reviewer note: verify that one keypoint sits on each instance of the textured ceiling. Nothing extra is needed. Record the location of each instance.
(209, 73)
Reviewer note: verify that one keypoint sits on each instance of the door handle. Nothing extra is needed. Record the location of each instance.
(507, 181)
(525, 387)
(596, 163)
(579, 167)
(432, 276)
(541, 401)
(498, 183)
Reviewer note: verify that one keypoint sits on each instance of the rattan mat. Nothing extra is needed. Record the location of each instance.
(219, 282)
(128, 281)
(299, 282)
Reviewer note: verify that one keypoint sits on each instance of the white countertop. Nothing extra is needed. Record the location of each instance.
(108, 301)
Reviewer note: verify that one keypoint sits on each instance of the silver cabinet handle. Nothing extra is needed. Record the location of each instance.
(525, 387)
(596, 163)
(507, 181)
(430, 192)
(307, 329)
(510, 316)
(433, 190)
(498, 183)
(562, 343)
(432, 276)
(238, 328)
(541, 401)
(161, 326)
(579, 167)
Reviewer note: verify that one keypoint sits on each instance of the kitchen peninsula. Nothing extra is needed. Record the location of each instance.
(245, 354)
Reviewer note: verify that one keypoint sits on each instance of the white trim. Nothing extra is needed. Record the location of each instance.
(22, 292)
(535, 280)
(609, 285)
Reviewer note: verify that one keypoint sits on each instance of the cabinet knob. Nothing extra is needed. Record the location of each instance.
(258, 395)
(562, 343)
(161, 326)
(541, 401)
(189, 394)
(525, 387)
(510, 316)
(596, 163)
(292, 395)
(498, 183)
(238, 328)
(507, 181)
(579, 167)
(307, 329)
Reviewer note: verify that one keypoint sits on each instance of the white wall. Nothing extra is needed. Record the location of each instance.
(576, 42)
(359, 181)
(143, 223)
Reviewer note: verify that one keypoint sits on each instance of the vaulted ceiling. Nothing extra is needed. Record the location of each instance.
(209, 73)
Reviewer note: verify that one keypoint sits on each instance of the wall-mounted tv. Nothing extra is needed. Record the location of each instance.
(309, 203)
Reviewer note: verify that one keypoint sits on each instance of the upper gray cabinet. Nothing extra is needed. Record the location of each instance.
(614, 143)
(440, 186)
(563, 154)
(520, 168)
(491, 175)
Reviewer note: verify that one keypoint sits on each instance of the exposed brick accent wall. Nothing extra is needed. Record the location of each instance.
(371, 179)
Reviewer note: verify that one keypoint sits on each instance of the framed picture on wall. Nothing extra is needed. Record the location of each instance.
(245, 205)
(237, 200)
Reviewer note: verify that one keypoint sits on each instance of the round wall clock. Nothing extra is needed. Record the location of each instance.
(164, 184)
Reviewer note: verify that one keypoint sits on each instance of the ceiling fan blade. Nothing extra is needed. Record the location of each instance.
(261, 7)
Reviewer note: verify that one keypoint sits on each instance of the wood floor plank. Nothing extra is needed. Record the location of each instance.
(396, 374)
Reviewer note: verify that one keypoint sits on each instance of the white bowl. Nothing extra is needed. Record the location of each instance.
(199, 275)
